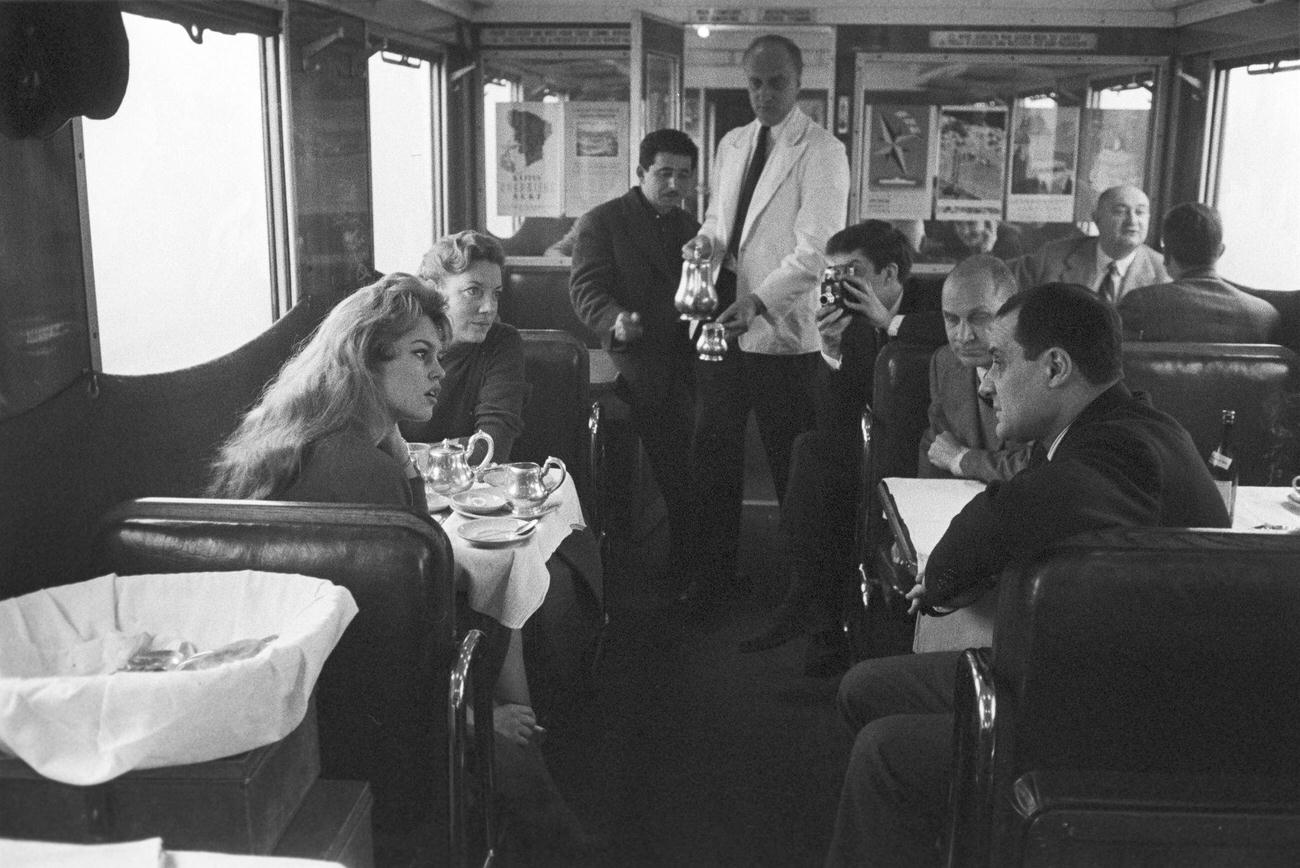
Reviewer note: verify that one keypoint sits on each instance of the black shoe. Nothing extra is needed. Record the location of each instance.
(782, 630)
(828, 654)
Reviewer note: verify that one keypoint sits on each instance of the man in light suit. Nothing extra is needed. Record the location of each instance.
(1197, 305)
(780, 190)
(626, 266)
(962, 439)
(1110, 264)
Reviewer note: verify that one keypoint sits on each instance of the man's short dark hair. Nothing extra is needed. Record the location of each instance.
(1077, 320)
(879, 242)
(773, 40)
(1192, 234)
(667, 141)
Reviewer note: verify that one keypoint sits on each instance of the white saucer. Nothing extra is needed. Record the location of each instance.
(1294, 497)
(494, 531)
(437, 502)
(479, 501)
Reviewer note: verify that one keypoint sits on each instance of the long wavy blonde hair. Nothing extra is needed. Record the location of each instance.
(328, 385)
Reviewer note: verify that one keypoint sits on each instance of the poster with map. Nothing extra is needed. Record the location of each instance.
(596, 154)
(898, 171)
(972, 156)
(1044, 148)
(1112, 151)
(530, 159)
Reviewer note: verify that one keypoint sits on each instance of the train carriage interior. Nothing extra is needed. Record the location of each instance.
(188, 189)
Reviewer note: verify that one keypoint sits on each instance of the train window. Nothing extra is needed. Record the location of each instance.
(402, 160)
(1258, 111)
(177, 202)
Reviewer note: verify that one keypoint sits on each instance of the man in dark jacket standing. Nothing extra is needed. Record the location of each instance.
(627, 261)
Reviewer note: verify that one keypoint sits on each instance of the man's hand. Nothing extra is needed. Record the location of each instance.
(701, 245)
(831, 323)
(737, 317)
(916, 599)
(627, 327)
(946, 452)
(859, 298)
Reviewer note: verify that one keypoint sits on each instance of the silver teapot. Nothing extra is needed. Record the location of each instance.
(446, 466)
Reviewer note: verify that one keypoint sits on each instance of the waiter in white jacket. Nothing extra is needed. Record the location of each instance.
(780, 190)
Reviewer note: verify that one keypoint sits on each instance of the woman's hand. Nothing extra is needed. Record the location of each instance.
(514, 722)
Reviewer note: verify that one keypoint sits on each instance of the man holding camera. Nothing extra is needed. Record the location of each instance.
(864, 305)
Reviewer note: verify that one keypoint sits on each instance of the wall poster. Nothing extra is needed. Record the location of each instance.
(972, 157)
(530, 159)
(596, 154)
(1044, 150)
(1112, 151)
(898, 162)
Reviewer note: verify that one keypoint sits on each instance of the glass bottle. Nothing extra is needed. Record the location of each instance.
(1223, 463)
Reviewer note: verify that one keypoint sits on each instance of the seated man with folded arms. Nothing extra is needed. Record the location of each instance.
(962, 439)
(1111, 460)
(821, 494)
(1197, 305)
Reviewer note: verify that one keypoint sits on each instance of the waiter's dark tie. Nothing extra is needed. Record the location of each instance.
(1109, 288)
(756, 163)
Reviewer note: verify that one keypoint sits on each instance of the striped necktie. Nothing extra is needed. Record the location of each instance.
(1109, 288)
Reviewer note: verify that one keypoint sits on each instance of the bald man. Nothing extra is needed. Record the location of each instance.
(1113, 262)
(962, 439)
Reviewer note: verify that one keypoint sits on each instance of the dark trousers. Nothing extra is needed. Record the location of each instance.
(817, 518)
(895, 796)
(779, 391)
(662, 403)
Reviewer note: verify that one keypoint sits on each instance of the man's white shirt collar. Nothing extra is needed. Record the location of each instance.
(1051, 450)
(1121, 267)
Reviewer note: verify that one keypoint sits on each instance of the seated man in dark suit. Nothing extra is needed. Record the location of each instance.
(1111, 460)
(1112, 263)
(962, 439)
(1197, 305)
(821, 495)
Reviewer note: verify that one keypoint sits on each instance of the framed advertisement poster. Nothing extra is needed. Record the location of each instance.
(1044, 152)
(972, 154)
(530, 159)
(1112, 151)
(898, 164)
(596, 154)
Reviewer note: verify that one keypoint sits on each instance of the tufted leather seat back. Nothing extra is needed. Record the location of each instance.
(559, 404)
(1138, 706)
(1154, 651)
(900, 406)
(382, 695)
(1195, 382)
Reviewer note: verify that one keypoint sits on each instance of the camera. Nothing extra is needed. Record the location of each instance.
(833, 283)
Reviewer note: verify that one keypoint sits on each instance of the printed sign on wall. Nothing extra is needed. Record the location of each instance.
(972, 156)
(1044, 149)
(898, 171)
(530, 159)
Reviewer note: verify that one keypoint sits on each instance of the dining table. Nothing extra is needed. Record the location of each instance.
(507, 579)
(920, 510)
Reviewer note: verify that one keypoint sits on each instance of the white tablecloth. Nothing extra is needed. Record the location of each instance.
(927, 507)
(509, 583)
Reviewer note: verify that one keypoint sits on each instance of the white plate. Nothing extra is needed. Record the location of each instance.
(494, 531)
(479, 501)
